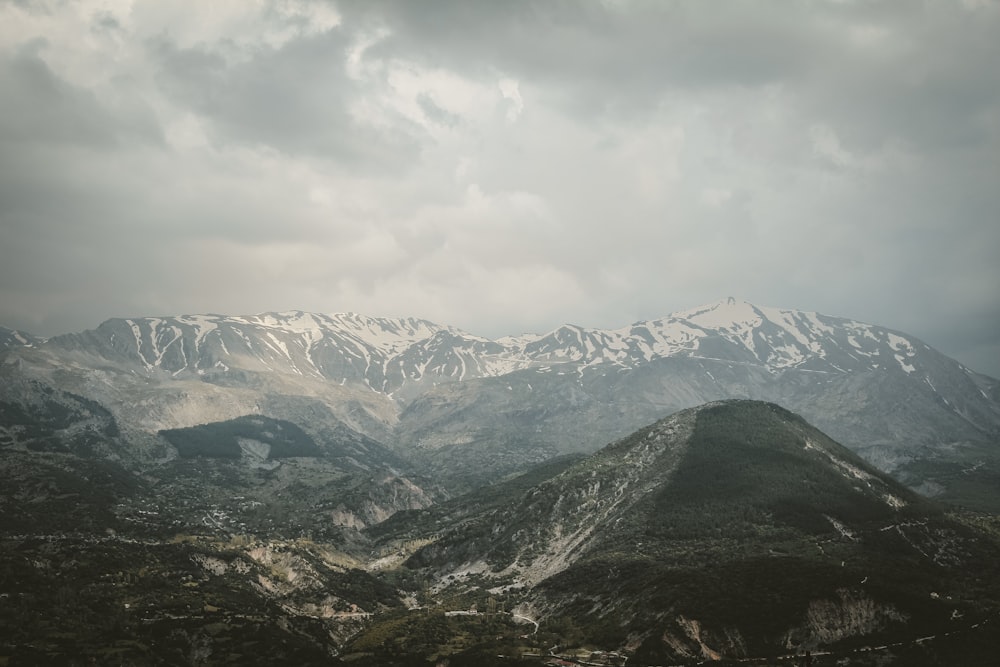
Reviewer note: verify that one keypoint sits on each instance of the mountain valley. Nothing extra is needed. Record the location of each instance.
(469, 410)
(317, 489)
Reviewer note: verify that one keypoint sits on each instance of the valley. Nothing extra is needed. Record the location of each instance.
(732, 484)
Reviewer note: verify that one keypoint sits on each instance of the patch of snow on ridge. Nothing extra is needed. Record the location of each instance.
(817, 325)
(387, 336)
(278, 344)
(154, 334)
(785, 355)
(518, 341)
(158, 330)
(270, 320)
(786, 321)
(384, 335)
(723, 315)
(502, 364)
(863, 341)
(903, 352)
(137, 333)
(202, 324)
(742, 322)
(301, 323)
(663, 337)
(852, 339)
(899, 343)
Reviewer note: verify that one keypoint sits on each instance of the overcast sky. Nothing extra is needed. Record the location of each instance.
(503, 167)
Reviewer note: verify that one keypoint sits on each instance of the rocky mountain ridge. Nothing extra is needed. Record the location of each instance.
(463, 407)
(730, 531)
(13, 338)
(386, 354)
(582, 509)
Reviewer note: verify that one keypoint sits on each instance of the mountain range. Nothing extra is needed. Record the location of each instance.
(466, 410)
(308, 489)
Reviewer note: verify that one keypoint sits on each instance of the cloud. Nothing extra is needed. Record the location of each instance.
(40, 108)
(510, 92)
(502, 166)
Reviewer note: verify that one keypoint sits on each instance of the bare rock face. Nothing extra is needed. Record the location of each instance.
(688, 639)
(850, 614)
(387, 496)
(11, 338)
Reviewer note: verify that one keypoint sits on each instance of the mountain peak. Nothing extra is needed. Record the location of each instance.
(722, 314)
(763, 510)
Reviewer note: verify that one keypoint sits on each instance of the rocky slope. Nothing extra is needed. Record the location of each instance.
(13, 338)
(730, 531)
(467, 409)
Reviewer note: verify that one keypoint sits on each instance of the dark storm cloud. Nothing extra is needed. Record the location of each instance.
(294, 99)
(38, 107)
(503, 166)
(924, 74)
(631, 55)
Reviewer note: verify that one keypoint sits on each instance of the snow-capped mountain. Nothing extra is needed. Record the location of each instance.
(771, 338)
(452, 401)
(337, 347)
(387, 354)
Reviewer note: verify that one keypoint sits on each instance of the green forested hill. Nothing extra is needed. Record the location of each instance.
(735, 529)
(281, 439)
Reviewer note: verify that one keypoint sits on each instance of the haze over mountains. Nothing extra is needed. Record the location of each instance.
(297, 487)
(470, 409)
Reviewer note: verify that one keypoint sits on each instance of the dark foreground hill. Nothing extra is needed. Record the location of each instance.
(733, 531)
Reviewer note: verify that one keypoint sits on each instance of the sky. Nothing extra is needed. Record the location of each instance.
(503, 167)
